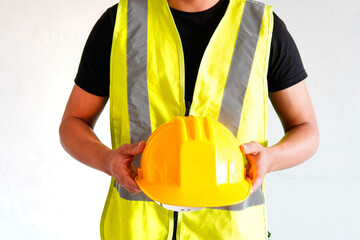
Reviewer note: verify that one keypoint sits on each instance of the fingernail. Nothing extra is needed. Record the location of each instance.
(251, 191)
(244, 146)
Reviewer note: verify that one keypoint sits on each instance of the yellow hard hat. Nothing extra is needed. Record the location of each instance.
(193, 162)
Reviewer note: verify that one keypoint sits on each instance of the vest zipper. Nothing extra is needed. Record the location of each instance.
(175, 225)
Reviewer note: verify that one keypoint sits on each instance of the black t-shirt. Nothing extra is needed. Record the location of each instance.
(195, 29)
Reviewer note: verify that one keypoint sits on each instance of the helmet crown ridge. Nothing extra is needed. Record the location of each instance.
(196, 128)
(198, 148)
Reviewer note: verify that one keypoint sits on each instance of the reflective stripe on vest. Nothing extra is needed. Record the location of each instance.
(240, 67)
(147, 90)
(138, 97)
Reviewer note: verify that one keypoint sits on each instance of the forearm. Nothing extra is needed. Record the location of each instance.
(79, 140)
(298, 145)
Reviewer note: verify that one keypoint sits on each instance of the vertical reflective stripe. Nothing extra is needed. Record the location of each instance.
(255, 199)
(236, 85)
(137, 86)
(240, 68)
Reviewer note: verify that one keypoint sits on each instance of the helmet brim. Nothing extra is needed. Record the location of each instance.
(197, 196)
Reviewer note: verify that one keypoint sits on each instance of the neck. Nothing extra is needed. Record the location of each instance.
(192, 5)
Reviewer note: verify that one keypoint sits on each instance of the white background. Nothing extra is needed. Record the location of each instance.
(45, 194)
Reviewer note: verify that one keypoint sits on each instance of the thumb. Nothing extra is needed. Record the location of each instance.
(250, 148)
(133, 149)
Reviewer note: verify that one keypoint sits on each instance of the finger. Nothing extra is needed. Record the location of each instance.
(250, 148)
(251, 172)
(141, 144)
(133, 172)
(129, 184)
(257, 179)
(256, 183)
(247, 166)
(132, 149)
(122, 177)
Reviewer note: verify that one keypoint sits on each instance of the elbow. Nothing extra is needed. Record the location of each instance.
(65, 132)
(62, 133)
(315, 138)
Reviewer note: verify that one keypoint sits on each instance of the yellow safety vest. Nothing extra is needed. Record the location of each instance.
(147, 89)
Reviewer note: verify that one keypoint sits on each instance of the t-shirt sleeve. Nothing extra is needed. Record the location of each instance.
(93, 73)
(285, 65)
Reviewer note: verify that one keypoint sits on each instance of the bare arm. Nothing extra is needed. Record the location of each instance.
(301, 140)
(294, 108)
(79, 140)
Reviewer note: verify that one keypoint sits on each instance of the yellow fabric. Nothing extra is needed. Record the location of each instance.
(147, 221)
(220, 48)
(166, 80)
(254, 123)
(128, 219)
(224, 225)
(119, 116)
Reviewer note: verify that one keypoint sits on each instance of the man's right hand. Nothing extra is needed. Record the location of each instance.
(79, 140)
(120, 165)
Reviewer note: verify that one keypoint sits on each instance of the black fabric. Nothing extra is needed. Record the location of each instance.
(195, 29)
(285, 65)
(175, 225)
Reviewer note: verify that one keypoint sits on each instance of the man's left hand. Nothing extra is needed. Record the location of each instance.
(258, 158)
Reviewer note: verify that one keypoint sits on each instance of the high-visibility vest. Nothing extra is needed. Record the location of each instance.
(147, 89)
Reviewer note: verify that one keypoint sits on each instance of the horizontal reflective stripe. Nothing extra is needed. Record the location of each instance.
(128, 196)
(255, 199)
(241, 64)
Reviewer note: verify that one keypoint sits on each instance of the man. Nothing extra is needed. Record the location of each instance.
(227, 57)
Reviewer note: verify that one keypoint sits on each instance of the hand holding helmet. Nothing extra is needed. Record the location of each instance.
(259, 160)
(120, 165)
